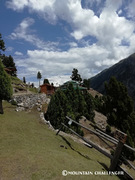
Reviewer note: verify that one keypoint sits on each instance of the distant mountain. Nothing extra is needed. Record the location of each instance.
(124, 71)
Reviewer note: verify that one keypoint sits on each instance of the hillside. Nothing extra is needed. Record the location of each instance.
(124, 71)
(29, 150)
(19, 87)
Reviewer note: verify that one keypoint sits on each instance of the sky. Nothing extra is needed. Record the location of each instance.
(55, 36)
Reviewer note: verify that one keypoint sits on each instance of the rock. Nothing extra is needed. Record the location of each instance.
(37, 104)
(39, 109)
(39, 101)
(26, 105)
(42, 116)
(17, 109)
(20, 104)
(28, 101)
(20, 109)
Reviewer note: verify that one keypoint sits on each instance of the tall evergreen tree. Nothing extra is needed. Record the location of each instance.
(86, 83)
(57, 109)
(89, 106)
(2, 44)
(32, 85)
(119, 104)
(39, 76)
(75, 76)
(9, 63)
(120, 112)
(5, 86)
(69, 102)
(24, 80)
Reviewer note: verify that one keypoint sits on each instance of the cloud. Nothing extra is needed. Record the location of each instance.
(17, 53)
(109, 28)
(43, 7)
(84, 22)
(131, 9)
(24, 32)
(17, 4)
(57, 66)
(73, 44)
(10, 49)
(113, 5)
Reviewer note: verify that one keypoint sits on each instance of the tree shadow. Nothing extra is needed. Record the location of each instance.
(105, 167)
(69, 144)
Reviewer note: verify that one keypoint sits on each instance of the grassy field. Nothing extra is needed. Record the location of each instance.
(29, 150)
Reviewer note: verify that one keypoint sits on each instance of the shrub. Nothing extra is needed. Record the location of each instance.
(69, 102)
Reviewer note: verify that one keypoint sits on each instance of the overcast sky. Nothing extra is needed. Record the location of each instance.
(55, 36)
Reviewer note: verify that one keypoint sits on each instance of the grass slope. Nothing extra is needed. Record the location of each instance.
(31, 151)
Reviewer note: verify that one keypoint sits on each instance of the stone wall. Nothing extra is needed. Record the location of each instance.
(28, 101)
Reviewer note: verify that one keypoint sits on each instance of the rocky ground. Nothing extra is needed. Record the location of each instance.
(26, 101)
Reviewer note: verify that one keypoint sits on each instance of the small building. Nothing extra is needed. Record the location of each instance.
(10, 70)
(75, 85)
(47, 89)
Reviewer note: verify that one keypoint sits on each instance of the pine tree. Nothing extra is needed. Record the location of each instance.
(119, 104)
(5, 86)
(75, 76)
(9, 63)
(32, 85)
(86, 83)
(39, 76)
(2, 44)
(89, 106)
(57, 109)
(120, 112)
(69, 102)
(24, 80)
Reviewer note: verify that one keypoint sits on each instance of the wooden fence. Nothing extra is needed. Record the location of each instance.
(119, 142)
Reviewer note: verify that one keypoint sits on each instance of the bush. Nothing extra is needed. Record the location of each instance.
(69, 102)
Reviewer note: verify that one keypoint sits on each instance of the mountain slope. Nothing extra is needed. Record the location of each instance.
(124, 71)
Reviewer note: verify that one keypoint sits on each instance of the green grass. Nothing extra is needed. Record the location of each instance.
(16, 83)
(34, 90)
(29, 150)
(15, 80)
